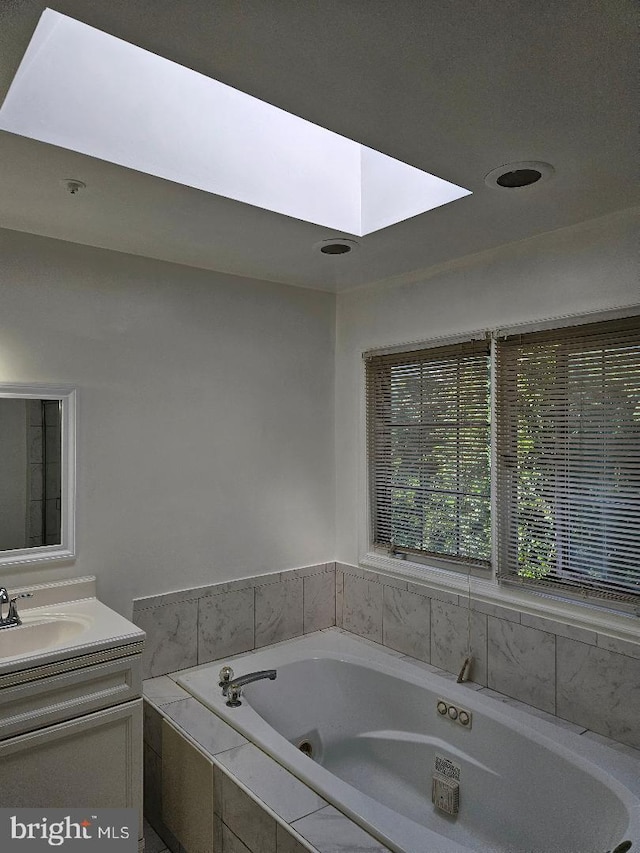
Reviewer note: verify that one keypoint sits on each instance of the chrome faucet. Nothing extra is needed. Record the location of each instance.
(12, 619)
(4, 599)
(233, 688)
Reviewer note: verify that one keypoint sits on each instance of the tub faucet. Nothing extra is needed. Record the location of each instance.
(233, 690)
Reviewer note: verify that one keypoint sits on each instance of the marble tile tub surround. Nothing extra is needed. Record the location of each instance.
(207, 789)
(199, 625)
(583, 676)
(257, 805)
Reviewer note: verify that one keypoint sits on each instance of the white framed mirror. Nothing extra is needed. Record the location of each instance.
(37, 473)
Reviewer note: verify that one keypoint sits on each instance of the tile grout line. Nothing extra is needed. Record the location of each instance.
(303, 610)
(198, 631)
(555, 675)
(255, 610)
(486, 639)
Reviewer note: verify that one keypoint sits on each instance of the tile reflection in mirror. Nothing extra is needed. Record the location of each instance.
(37, 475)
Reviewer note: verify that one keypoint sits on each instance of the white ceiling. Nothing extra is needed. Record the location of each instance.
(455, 89)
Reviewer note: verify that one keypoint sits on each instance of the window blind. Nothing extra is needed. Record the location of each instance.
(428, 451)
(568, 427)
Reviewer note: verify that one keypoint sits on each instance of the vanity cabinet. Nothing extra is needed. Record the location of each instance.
(74, 739)
(42, 701)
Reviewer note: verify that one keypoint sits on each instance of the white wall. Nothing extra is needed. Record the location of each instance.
(206, 402)
(586, 268)
(13, 473)
(205, 413)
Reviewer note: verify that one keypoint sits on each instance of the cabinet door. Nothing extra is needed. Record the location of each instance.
(94, 761)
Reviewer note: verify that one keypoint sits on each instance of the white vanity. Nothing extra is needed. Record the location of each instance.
(70, 703)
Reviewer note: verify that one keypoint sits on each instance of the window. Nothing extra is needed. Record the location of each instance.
(428, 447)
(567, 448)
(568, 407)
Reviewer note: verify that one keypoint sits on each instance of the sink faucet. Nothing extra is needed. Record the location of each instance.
(233, 689)
(4, 599)
(12, 618)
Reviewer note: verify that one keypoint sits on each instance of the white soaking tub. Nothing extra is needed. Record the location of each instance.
(376, 736)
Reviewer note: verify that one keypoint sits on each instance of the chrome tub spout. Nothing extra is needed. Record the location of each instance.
(233, 690)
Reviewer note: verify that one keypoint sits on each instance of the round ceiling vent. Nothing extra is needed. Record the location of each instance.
(335, 246)
(73, 186)
(515, 176)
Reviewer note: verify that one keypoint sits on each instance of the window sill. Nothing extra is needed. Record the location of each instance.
(486, 590)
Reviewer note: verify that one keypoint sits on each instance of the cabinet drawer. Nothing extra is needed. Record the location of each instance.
(36, 704)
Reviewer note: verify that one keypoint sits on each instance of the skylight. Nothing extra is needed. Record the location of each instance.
(87, 91)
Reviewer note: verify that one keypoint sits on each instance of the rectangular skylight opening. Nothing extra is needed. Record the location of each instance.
(90, 92)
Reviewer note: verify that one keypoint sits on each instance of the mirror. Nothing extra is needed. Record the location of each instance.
(37, 473)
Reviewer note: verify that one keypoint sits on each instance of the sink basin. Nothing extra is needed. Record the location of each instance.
(60, 631)
(40, 634)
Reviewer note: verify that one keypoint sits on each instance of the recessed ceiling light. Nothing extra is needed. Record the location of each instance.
(519, 178)
(336, 246)
(513, 176)
(335, 249)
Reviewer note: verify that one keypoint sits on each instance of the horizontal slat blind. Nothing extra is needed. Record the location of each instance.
(428, 450)
(568, 410)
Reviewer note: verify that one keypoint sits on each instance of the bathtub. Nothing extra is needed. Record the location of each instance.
(374, 737)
